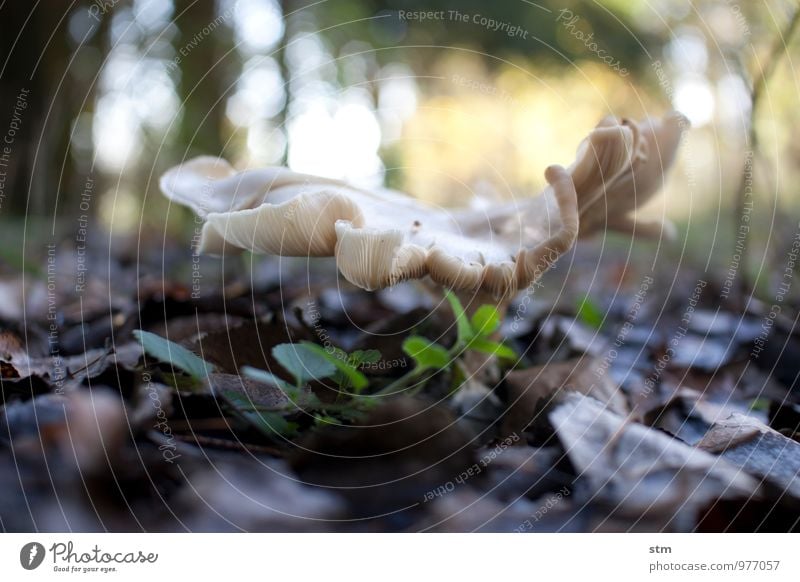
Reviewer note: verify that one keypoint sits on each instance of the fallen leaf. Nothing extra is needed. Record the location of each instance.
(469, 510)
(228, 493)
(86, 427)
(389, 461)
(641, 473)
(532, 391)
(526, 471)
(257, 393)
(757, 449)
(249, 344)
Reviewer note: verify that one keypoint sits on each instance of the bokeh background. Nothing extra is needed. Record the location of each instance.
(445, 108)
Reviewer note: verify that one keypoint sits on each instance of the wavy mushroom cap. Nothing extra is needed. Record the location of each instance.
(380, 237)
(620, 166)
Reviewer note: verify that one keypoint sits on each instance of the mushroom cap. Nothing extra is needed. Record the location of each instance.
(609, 198)
(381, 237)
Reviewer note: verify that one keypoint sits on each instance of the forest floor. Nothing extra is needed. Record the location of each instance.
(625, 397)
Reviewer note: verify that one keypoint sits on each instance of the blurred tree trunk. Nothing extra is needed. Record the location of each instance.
(286, 76)
(35, 51)
(202, 83)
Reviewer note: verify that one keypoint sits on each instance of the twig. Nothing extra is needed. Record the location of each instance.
(218, 443)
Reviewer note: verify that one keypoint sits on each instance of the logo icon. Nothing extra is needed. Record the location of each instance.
(31, 555)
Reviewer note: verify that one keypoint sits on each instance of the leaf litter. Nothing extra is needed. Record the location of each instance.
(322, 407)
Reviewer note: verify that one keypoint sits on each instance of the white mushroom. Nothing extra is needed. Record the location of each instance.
(651, 146)
(381, 237)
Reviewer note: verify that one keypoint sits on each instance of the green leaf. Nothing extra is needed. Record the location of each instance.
(492, 348)
(354, 414)
(180, 382)
(465, 332)
(357, 379)
(426, 354)
(179, 357)
(238, 399)
(457, 379)
(271, 422)
(486, 320)
(268, 422)
(324, 419)
(760, 404)
(303, 363)
(359, 357)
(589, 313)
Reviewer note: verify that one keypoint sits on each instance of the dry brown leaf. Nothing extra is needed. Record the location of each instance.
(640, 472)
(389, 461)
(532, 391)
(258, 393)
(757, 449)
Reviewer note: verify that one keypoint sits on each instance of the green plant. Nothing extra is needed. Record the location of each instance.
(590, 313)
(307, 362)
(474, 334)
(171, 353)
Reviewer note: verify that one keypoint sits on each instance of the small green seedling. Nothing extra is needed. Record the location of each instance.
(590, 313)
(471, 334)
(307, 362)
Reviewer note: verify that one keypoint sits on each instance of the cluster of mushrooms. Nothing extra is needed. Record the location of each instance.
(381, 237)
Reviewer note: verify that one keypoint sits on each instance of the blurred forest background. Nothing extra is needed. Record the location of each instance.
(116, 92)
